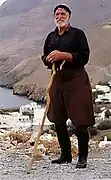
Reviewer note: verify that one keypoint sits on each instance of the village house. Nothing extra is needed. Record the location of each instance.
(103, 88)
(105, 97)
(28, 108)
(9, 120)
(36, 111)
(28, 115)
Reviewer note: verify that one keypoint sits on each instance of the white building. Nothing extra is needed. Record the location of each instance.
(103, 88)
(24, 121)
(28, 108)
(16, 121)
(9, 120)
(23, 118)
(37, 112)
(103, 98)
(94, 90)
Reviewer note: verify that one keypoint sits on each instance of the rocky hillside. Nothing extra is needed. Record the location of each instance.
(24, 25)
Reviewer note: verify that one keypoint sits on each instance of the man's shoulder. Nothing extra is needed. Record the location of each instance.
(50, 33)
(75, 29)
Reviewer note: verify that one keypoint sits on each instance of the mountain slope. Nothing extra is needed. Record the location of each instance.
(24, 25)
(11, 7)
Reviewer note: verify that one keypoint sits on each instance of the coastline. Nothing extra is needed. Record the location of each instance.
(4, 110)
(8, 100)
(31, 92)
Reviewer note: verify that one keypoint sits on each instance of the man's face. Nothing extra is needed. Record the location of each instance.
(61, 17)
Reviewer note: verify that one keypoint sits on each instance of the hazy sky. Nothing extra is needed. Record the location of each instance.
(2, 1)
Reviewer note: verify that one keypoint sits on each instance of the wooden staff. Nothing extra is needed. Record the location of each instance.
(35, 151)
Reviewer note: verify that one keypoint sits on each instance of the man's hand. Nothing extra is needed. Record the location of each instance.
(54, 56)
(58, 55)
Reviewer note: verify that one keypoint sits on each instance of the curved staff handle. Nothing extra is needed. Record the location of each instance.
(35, 151)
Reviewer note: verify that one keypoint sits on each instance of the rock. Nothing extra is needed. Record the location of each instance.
(32, 91)
(105, 143)
(106, 124)
(107, 113)
(1, 112)
(108, 134)
(23, 89)
(93, 131)
(93, 145)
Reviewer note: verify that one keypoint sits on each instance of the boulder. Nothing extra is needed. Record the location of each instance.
(93, 131)
(106, 124)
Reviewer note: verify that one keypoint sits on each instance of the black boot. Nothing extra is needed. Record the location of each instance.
(83, 139)
(65, 144)
(82, 162)
(63, 159)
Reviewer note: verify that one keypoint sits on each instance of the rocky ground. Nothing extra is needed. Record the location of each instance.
(14, 163)
(14, 167)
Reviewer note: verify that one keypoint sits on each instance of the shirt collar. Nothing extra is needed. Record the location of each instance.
(66, 30)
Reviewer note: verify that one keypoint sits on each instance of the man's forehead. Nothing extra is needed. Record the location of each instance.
(60, 10)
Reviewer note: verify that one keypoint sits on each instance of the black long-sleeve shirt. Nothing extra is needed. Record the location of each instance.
(73, 41)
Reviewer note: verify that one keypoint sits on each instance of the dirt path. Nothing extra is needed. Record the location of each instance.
(14, 168)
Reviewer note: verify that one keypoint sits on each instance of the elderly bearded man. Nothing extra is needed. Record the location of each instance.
(71, 94)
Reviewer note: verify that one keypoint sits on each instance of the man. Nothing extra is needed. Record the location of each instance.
(71, 95)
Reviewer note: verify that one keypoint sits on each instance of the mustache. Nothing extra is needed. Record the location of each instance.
(61, 20)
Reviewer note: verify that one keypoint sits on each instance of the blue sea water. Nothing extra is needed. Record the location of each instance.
(8, 100)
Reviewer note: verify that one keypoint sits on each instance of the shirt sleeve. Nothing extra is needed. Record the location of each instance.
(81, 56)
(46, 52)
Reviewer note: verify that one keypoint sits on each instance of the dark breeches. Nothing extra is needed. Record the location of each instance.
(71, 97)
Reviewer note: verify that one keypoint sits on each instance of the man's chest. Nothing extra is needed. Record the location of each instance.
(66, 43)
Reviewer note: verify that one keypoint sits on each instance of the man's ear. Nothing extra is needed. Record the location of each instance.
(69, 16)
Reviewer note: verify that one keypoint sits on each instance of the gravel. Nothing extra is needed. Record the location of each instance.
(14, 167)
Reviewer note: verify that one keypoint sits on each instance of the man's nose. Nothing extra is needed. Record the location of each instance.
(59, 16)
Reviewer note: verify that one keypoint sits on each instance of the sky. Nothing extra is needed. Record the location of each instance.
(2, 1)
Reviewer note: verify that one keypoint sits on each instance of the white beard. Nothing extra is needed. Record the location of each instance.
(61, 24)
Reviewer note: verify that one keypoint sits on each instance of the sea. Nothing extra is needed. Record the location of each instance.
(8, 100)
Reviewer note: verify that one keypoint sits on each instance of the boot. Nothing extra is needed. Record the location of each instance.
(63, 159)
(65, 144)
(83, 139)
(82, 162)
